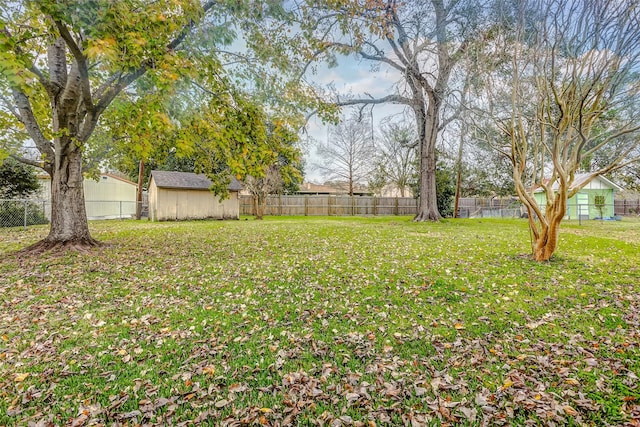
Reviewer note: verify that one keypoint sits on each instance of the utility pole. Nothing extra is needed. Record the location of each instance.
(139, 195)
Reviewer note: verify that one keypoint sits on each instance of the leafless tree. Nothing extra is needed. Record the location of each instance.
(348, 154)
(260, 188)
(396, 158)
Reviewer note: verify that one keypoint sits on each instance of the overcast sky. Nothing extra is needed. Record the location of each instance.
(351, 77)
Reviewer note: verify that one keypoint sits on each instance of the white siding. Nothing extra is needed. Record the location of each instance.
(108, 197)
(153, 200)
(597, 184)
(167, 204)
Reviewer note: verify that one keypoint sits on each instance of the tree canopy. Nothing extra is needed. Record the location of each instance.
(69, 67)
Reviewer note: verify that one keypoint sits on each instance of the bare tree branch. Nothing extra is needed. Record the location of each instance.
(397, 99)
(26, 161)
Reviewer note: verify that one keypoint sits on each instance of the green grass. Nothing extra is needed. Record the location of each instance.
(302, 321)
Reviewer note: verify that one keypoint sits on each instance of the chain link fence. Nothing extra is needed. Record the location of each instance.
(24, 212)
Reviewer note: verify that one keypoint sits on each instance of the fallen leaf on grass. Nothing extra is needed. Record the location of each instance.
(21, 377)
(221, 403)
(237, 388)
(469, 413)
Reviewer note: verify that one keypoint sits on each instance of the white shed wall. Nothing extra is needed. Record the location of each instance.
(166, 204)
(597, 184)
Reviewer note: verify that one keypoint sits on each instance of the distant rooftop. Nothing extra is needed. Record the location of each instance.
(579, 181)
(332, 188)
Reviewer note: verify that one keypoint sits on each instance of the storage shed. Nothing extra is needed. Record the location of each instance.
(184, 195)
(594, 200)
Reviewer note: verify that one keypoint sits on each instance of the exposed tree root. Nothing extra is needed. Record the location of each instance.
(50, 245)
(424, 216)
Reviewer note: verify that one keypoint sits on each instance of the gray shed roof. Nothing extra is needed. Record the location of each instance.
(188, 181)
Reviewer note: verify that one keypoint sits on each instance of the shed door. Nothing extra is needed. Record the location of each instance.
(583, 205)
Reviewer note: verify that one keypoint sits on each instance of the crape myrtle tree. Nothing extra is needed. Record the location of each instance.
(63, 63)
(423, 41)
(569, 91)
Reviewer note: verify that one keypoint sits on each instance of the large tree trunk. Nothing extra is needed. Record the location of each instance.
(428, 126)
(456, 206)
(428, 207)
(69, 226)
(139, 190)
(258, 206)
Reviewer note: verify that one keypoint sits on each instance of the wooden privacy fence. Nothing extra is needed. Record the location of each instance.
(325, 205)
(344, 205)
(627, 207)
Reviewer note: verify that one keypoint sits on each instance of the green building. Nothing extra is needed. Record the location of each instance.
(594, 200)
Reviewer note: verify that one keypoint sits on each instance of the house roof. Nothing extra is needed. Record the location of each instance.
(334, 188)
(580, 180)
(46, 177)
(310, 188)
(119, 178)
(188, 181)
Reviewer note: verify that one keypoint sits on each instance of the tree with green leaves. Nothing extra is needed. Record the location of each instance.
(64, 63)
(17, 180)
(283, 167)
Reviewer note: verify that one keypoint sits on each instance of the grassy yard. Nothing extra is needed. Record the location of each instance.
(322, 321)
